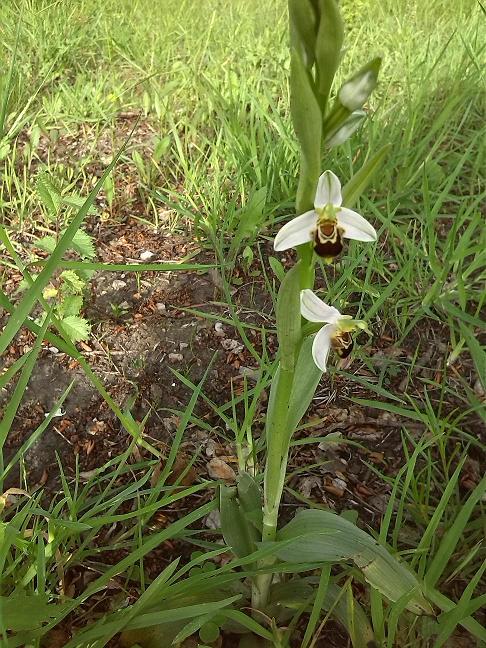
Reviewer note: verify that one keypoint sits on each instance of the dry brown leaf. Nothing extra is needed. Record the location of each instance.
(219, 469)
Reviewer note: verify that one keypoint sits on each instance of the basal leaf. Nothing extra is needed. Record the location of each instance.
(325, 536)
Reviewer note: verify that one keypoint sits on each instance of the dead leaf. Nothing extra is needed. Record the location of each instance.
(179, 467)
(219, 469)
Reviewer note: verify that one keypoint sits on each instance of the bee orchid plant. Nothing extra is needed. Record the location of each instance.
(308, 328)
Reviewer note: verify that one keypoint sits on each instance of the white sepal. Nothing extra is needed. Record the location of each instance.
(355, 226)
(328, 191)
(296, 232)
(315, 310)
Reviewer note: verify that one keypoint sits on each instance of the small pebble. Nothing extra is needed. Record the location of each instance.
(118, 284)
(213, 520)
(176, 357)
(58, 413)
(232, 345)
(146, 255)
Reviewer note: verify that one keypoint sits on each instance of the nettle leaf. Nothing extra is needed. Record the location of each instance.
(46, 243)
(77, 328)
(327, 537)
(72, 282)
(73, 200)
(83, 244)
(49, 194)
(71, 305)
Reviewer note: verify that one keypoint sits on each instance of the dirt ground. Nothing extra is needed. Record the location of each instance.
(141, 334)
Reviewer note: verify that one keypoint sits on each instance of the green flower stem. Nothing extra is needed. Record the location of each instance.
(275, 470)
(307, 275)
(278, 438)
(305, 201)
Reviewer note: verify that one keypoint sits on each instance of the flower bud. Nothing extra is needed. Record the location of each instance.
(356, 91)
(344, 132)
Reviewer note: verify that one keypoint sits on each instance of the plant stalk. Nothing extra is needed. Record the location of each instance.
(275, 470)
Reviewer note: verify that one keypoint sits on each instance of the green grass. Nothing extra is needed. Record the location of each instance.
(214, 156)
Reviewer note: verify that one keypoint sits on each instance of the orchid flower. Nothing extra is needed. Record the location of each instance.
(327, 224)
(336, 332)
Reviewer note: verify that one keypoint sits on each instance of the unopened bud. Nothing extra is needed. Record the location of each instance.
(356, 91)
(344, 132)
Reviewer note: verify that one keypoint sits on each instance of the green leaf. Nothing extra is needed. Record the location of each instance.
(352, 617)
(26, 612)
(288, 317)
(325, 536)
(345, 130)
(70, 305)
(328, 47)
(161, 148)
(72, 282)
(277, 268)
(307, 121)
(209, 632)
(303, 29)
(49, 194)
(304, 386)
(236, 530)
(250, 216)
(250, 498)
(353, 189)
(477, 352)
(83, 244)
(77, 328)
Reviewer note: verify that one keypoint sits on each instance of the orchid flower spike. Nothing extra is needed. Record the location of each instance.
(336, 332)
(327, 224)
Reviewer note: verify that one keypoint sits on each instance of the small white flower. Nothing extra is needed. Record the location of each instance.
(336, 333)
(327, 224)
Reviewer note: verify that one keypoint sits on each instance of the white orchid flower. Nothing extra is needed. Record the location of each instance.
(336, 332)
(327, 224)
